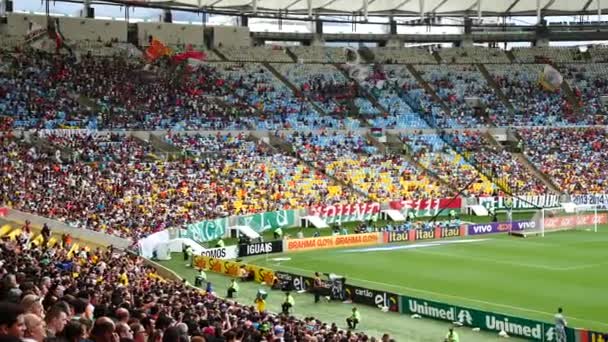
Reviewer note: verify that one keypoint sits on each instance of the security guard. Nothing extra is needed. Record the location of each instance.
(233, 288)
(354, 319)
(288, 303)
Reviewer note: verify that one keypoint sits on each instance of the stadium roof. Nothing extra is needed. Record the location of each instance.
(388, 7)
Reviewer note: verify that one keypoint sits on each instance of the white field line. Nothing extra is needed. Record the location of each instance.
(401, 287)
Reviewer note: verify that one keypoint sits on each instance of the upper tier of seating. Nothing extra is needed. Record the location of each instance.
(470, 55)
(274, 54)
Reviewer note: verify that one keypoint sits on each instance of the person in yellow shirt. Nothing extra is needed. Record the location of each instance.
(260, 301)
(123, 279)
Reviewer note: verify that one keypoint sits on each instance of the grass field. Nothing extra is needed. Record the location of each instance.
(525, 277)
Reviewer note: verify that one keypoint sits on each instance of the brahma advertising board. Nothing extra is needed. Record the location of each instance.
(261, 248)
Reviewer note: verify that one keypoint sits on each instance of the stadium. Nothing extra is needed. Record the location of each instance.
(303, 170)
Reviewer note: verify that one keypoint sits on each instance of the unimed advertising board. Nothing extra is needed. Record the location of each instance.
(514, 326)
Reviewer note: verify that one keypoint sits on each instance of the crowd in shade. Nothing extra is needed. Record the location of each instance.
(589, 85)
(438, 157)
(454, 83)
(501, 166)
(533, 105)
(352, 160)
(52, 293)
(573, 158)
(133, 197)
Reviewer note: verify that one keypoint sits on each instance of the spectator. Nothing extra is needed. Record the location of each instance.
(34, 328)
(11, 320)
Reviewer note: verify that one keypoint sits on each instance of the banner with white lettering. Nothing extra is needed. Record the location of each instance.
(600, 199)
(521, 202)
(336, 213)
(224, 253)
(261, 248)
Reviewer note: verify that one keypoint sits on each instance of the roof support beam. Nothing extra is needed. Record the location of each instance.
(292, 4)
(438, 6)
(365, 4)
(254, 5)
(479, 10)
(421, 4)
(538, 13)
(512, 5)
(309, 4)
(599, 11)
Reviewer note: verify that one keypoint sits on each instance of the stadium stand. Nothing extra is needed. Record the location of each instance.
(589, 84)
(548, 55)
(455, 82)
(471, 55)
(350, 159)
(440, 159)
(387, 55)
(319, 54)
(275, 54)
(501, 166)
(533, 105)
(572, 157)
(82, 292)
(134, 199)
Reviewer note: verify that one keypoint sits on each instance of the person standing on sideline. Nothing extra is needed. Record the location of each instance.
(560, 326)
(233, 288)
(316, 287)
(288, 303)
(354, 319)
(452, 336)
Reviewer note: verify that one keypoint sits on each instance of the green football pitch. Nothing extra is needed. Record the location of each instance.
(525, 277)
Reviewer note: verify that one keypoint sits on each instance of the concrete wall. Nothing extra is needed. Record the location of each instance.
(231, 36)
(18, 24)
(78, 29)
(171, 34)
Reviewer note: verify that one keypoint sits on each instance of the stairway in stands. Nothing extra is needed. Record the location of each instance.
(492, 82)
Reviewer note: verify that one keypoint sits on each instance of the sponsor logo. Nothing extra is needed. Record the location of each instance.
(425, 234)
(526, 225)
(450, 232)
(503, 227)
(218, 253)
(483, 229)
(486, 320)
(332, 241)
(397, 236)
(261, 248)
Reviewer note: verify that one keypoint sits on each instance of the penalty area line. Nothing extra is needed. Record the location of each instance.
(412, 289)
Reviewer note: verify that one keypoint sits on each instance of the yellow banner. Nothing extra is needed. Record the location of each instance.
(231, 268)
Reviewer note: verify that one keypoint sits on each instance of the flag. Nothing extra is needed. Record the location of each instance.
(550, 78)
(156, 50)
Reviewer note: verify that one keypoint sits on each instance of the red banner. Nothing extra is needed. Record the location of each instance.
(346, 212)
(427, 207)
(3, 212)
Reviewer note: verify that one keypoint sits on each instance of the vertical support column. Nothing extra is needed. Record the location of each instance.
(538, 14)
(599, 11)
(479, 10)
(167, 16)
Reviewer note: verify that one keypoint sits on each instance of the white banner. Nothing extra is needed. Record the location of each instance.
(226, 253)
(521, 202)
(600, 199)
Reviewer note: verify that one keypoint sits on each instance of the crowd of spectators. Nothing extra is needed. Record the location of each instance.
(103, 146)
(533, 105)
(133, 198)
(453, 83)
(440, 159)
(502, 167)
(49, 293)
(380, 177)
(574, 158)
(589, 84)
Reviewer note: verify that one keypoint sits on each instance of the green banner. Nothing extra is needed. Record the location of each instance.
(207, 230)
(269, 220)
(488, 321)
